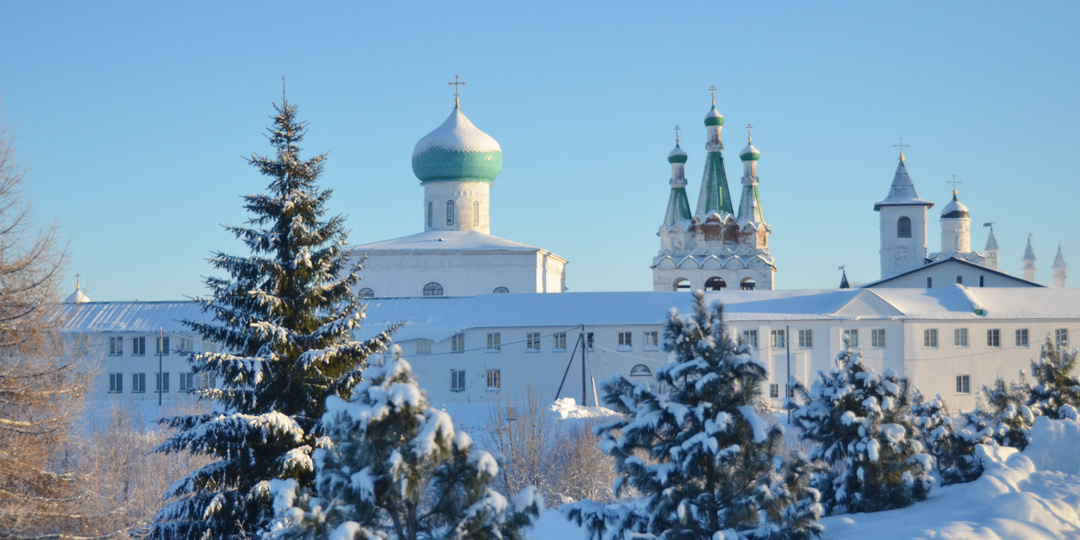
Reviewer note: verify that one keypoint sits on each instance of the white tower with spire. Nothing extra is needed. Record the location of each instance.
(1060, 270)
(902, 224)
(1028, 261)
(990, 253)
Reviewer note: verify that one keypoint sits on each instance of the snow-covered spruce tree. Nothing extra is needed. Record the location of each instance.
(1056, 393)
(284, 318)
(862, 425)
(698, 451)
(1005, 412)
(397, 469)
(950, 442)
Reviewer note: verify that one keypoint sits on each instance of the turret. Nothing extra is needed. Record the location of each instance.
(715, 198)
(1028, 261)
(1060, 270)
(750, 203)
(955, 227)
(902, 224)
(991, 251)
(678, 208)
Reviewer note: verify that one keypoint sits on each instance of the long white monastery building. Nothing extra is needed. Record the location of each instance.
(948, 340)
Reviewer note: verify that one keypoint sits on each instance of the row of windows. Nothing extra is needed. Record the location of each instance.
(650, 338)
(161, 382)
(959, 281)
(993, 337)
(450, 211)
(431, 289)
(714, 283)
(493, 377)
(138, 346)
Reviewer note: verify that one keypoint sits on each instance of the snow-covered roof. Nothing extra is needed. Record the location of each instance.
(954, 209)
(468, 240)
(1029, 253)
(991, 241)
(78, 297)
(749, 153)
(954, 259)
(902, 192)
(676, 155)
(1059, 260)
(713, 117)
(130, 316)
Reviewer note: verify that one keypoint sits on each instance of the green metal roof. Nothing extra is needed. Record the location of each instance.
(715, 195)
(442, 165)
(678, 208)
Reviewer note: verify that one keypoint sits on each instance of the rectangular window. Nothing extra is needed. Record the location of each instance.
(626, 340)
(960, 337)
(877, 338)
(186, 345)
(423, 346)
(457, 343)
(162, 346)
(993, 337)
(1061, 337)
(161, 382)
(929, 338)
(589, 341)
(532, 342)
(651, 340)
(493, 378)
(1022, 337)
(959, 280)
(187, 382)
(750, 338)
(963, 384)
(138, 347)
(209, 346)
(138, 383)
(116, 346)
(116, 383)
(457, 380)
(778, 339)
(558, 341)
(205, 380)
(494, 342)
(852, 337)
(806, 339)
(774, 390)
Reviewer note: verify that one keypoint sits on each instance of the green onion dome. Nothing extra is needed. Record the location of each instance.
(749, 153)
(714, 118)
(457, 151)
(677, 155)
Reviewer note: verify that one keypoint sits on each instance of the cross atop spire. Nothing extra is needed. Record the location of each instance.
(457, 84)
(712, 91)
(901, 146)
(749, 133)
(77, 276)
(955, 183)
(677, 128)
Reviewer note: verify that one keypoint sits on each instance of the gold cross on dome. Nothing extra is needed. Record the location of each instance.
(712, 91)
(954, 183)
(677, 128)
(457, 84)
(901, 146)
(749, 133)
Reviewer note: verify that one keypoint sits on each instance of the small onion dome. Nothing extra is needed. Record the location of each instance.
(714, 118)
(749, 153)
(77, 297)
(676, 155)
(954, 210)
(457, 151)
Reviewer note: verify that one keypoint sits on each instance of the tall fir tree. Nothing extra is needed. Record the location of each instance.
(284, 319)
(864, 433)
(698, 451)
(397, 469)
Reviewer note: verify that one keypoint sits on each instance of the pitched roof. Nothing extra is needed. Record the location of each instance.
(953, 260)
(902, 192)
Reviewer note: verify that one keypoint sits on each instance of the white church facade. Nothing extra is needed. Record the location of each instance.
(456, 254)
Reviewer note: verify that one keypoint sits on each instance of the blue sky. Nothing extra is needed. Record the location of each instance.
(135, 118)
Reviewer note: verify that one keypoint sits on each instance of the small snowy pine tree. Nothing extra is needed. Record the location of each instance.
(698, 451)
(864, 433)
(1056, 393)
(397, 469)
(1006, 413)
(285, 319)
(951, 443)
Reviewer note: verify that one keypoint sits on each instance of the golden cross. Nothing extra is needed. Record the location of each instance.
(457, 90)
(901, 146)
(749, 133)
(712, 91)
(677, 135)
(954, 183)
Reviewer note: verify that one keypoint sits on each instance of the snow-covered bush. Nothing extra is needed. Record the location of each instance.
(949, 440)
(1005, 412)
(284, 317)
(1056, 393)
(699, 454)
(866, 438)
(394, 467)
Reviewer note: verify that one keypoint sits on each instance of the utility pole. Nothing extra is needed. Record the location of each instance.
(787, 387)
(160, 376)
(584, 390)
